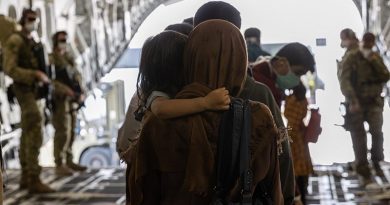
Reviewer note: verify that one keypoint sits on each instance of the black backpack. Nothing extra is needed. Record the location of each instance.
(233, 157)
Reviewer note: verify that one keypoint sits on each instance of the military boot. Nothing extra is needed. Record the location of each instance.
(23, 184)
(37, 187)
(76, 167)
(378, 169)
(364, 175)
(63, 170)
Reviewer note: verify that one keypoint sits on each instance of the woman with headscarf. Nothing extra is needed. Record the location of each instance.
(284, 70)
(174, 161)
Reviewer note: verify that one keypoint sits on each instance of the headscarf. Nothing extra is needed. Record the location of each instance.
(298, 54)
(218, 10)
(216, 58)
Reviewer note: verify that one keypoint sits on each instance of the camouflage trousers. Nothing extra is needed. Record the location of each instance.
(64, 121)
(373, 115)
(31, 124)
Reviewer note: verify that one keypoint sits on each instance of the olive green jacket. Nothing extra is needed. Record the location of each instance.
(360, 78)
(63, 62)
(19, 62)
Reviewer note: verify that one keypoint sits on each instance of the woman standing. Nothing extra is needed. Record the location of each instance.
(295, 112)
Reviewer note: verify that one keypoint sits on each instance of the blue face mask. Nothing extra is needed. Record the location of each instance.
(287, 81)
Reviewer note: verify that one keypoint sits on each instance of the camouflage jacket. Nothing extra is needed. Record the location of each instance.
(362, 80)
(64, 62)
(19, 62)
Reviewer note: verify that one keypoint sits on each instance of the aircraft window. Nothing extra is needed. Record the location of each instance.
(12, 12)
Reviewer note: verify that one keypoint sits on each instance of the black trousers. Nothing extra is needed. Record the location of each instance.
(302, 183)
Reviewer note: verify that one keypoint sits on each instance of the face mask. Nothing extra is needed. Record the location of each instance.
(287, 81)
(30, 27)
(62, 46)
(252, 41)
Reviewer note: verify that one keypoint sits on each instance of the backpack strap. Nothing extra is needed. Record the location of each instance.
(228, 149)
(233, 157)
(246, 175)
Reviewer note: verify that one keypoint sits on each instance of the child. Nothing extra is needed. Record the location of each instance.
(160, 79)
(295, 112)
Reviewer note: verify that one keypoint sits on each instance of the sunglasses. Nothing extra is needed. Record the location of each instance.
(62, 40)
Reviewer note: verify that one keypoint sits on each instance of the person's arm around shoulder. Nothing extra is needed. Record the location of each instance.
(166, 108)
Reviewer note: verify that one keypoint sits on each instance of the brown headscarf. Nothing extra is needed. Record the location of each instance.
(215, 56)
(174, 161)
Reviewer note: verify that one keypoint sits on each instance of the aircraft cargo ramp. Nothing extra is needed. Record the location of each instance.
(333, 184)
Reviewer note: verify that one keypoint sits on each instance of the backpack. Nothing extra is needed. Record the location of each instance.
(9, 27)
(233, 157)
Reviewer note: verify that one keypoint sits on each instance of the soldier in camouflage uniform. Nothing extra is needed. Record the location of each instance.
(362, 75)
(64, 115)
(21, 65)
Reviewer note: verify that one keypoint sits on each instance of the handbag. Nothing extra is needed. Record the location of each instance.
(313, 129)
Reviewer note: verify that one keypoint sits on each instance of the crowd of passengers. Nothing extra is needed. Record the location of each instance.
(189, 74)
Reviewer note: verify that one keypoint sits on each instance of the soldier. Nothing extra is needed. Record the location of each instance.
(362, 75)
(67, 92)
(21, 65)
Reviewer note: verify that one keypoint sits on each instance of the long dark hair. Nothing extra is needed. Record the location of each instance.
(161, 65)
(299, 92)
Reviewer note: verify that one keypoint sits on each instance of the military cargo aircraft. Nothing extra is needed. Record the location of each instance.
(100, 32)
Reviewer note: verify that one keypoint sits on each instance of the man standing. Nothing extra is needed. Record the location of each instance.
(362, 75)
(67, 92)
(253, 41)
(21, 65)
